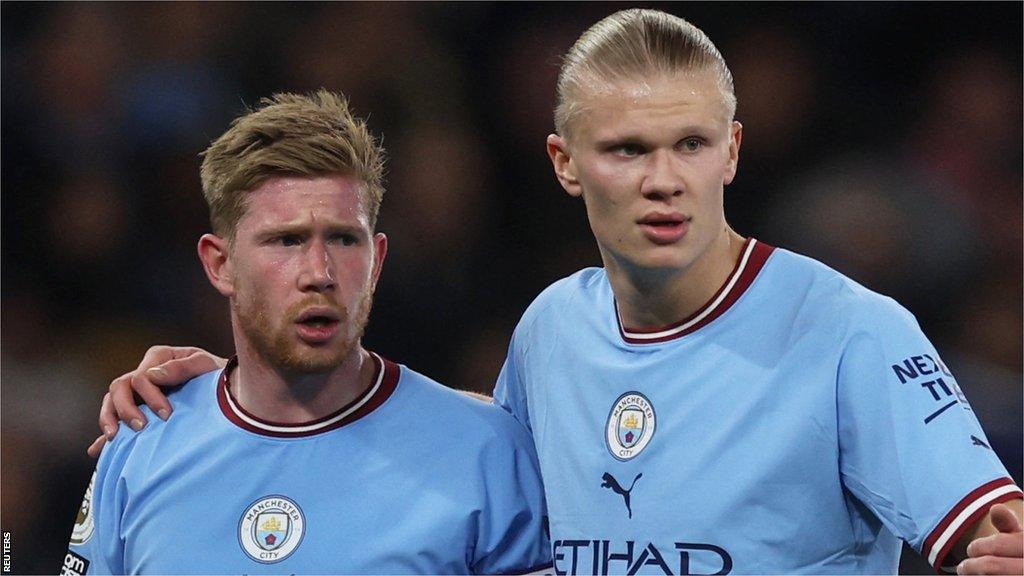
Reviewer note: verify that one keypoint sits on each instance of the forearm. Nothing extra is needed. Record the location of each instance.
(984, 527)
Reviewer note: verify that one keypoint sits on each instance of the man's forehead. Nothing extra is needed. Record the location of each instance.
(302, 199)
(640, 86)
(683, 97)
(311, 184)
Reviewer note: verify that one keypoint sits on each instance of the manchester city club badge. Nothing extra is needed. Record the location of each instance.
(85, 522)
(630, 426)
(271, 528)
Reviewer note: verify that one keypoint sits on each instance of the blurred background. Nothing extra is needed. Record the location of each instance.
(884, 139)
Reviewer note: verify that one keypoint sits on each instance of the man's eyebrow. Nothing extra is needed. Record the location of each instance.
(306, 228)
(279, 229)
(629, 137)
(618, 139)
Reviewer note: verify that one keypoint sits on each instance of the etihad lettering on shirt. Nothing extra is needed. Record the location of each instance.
(602, 557)
(931, 375)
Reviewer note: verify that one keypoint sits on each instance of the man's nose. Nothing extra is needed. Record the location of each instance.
(662, 179)
(318, 272)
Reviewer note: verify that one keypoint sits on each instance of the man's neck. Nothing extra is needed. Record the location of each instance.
(653, 299)
(290, 398)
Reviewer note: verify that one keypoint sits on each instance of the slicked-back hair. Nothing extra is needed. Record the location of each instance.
(633, 44)
(289, 134)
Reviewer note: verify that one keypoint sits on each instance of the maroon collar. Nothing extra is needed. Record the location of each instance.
(751, 260)
(383, 384)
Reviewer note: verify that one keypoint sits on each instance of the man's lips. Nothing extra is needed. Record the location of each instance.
(318, 325)
(318, 313)
(664, 228)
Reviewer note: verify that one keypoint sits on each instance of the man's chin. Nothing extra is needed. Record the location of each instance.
(311, 363)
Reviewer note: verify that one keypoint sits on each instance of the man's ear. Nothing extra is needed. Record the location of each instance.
(215, 254)
(735, 139)
(562, 162)
(380, 251)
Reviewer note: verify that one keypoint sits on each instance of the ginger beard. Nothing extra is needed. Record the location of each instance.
(280, 347)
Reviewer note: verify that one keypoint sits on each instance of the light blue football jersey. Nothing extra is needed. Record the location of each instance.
(410, 478)
(797, 423)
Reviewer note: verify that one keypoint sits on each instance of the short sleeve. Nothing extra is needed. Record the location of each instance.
(509, 391)
(96, 546)
(911, 448)
(513, 538)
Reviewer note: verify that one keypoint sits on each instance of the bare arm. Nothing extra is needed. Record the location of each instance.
(995, 544)
(161, 366)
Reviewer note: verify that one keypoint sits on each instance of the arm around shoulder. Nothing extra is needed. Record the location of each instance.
(162, 366)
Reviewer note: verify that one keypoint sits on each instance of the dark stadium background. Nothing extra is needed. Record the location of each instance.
(884, 139)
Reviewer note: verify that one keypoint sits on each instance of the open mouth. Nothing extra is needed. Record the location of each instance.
(318, 321)
(318, 326)
(320, 315)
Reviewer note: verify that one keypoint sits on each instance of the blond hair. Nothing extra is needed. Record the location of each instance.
(636, 43)
(288, 134)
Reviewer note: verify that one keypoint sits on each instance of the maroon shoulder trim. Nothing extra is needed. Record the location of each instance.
(752, 259)
(384, 382)
(969, 510)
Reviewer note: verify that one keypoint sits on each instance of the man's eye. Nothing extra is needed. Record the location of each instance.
(345, 239)
(628, 150)
(289, 240)
(692, 144)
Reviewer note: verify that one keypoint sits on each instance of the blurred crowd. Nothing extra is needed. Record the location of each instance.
(883, 139)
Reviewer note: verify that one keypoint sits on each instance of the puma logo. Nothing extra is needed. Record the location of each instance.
(975, 441)
(613, 484)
